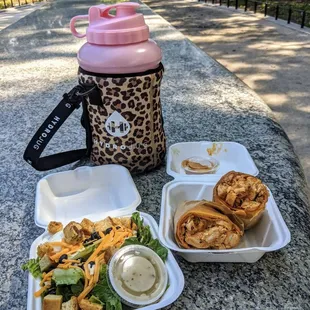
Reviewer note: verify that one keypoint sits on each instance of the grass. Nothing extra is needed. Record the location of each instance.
(8, 3)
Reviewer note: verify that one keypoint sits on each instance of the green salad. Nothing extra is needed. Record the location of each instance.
(73, 271)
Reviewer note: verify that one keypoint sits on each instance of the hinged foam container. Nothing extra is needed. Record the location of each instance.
(270, 234)
(94, 193)
(230, 155)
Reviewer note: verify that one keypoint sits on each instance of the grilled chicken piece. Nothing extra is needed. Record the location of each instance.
(230, 198)
(250, 205)
(222, 190)
(210, 238)
(190, 226)
(194, 225)
(241, 191)
(252, 193)
(217, 237)
(231, 240)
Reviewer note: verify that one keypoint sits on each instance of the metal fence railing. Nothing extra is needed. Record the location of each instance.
(12, 3)
(276, 10)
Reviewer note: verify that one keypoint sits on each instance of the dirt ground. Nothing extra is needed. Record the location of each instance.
(272, 59)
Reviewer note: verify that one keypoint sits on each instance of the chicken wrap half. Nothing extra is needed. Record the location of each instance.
(203, 224)
(244, 194)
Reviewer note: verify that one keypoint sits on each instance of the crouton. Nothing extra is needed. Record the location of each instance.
(126, 222)
(52, 302)
(85, 304)
(87, 226)
(44, 248)
(45, 263)
(116, 221)
(54, 227)
(72, 304)
(73, 233)
(103, 225)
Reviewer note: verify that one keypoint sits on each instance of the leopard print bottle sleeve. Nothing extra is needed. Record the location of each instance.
(127, 126)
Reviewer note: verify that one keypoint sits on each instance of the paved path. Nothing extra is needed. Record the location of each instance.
(273, 60)
(12, 15)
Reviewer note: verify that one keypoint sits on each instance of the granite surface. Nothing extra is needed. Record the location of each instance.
(201, 101)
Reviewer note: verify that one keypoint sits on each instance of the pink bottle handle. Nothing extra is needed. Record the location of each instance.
(72, 25)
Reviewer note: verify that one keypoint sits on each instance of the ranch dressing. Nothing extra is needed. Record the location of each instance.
(138, 275)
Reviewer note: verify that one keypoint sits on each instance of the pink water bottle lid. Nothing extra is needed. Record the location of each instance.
(126, 27)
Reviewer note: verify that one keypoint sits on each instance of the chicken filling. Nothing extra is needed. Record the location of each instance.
(242, 192)
(210, 234)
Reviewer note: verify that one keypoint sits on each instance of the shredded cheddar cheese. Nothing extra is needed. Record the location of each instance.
(105, 243)
(97, 268)
(64, 266)
(48, 275)
(60, 243)
(101, 257)
(91, 282)
(74, 249)
(71, 261)
(86, 282)
(101, 234)
(120, 237)
(41, 290)
(85, 292)
(57, 255)
(87, 275)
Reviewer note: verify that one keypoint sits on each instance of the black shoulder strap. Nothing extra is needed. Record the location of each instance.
(66, 106)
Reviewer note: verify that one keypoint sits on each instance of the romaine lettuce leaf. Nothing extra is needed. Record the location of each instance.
(77, 288)
(156, 246)
(137, 219)
(67, 291)
(104, 292)
(95, 300)
(67, 276)
(85, 253)
(144, 237)
(33, 267)
(64, 291)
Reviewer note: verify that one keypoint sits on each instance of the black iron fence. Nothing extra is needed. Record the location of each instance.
(12, 3)
(276, 10)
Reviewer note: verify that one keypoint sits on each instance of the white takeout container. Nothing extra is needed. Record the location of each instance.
(270, 234)
(94, 193)
(230, 155)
